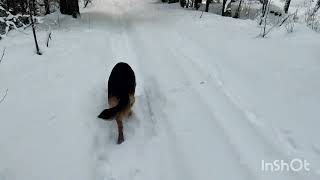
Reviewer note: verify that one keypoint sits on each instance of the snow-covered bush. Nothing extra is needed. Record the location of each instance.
(9, 21)
(289, 24)
(312, 17)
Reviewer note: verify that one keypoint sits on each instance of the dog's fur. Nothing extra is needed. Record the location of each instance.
(121, 89)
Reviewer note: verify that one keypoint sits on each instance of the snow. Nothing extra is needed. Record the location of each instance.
(213, 98)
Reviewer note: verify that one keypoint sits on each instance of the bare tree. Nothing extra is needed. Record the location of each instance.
(224, 2)
(264, 9)
(286, 6)
(264, 19)
(237, 14)
(31, 12)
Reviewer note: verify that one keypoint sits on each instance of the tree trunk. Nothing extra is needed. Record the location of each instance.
(31, 11)
(47, 6)
(223, 7)
(70, 7)
(264, 7)
(286, 6)
(237, 15)
(207, 5)
(183, 3)
(264, 10)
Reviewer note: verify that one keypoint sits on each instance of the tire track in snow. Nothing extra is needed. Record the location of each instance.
(171, 56)
(128, 160)
(241, 111)
(156, 101)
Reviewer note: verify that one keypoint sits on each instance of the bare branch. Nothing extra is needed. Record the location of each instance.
(2, 99)
(3, 52)
(278, 24)
(285, 19)
(48, 39)
(86, 3)
(49, 36)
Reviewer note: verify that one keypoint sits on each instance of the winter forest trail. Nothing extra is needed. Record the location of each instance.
(203, 109)
(188, 105)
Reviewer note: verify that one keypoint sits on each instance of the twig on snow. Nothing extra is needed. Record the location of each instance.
(284, 20)
(2, 99)
(3, 52)
(278, 24)
(49, 36)
(201, 14)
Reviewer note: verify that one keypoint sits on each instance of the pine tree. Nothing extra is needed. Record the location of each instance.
(47, 6)
(70, 7)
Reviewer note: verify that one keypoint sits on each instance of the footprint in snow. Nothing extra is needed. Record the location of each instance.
(291, 142)
(316, 149)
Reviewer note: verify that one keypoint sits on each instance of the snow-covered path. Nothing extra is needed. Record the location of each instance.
(212, 103)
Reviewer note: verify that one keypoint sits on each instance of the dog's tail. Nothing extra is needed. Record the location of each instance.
(109, 114)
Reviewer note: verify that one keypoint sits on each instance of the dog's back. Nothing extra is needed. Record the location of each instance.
(121, 89)
(122, 81)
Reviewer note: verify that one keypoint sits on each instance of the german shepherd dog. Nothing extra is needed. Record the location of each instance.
(121, 89)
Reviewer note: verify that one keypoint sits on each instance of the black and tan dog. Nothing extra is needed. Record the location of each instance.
(121, 89)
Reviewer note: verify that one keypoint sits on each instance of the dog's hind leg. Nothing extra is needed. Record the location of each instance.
(120, 129)
(130, 113)
(132, 100)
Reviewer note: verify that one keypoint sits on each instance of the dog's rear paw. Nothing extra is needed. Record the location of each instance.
(120, 139)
